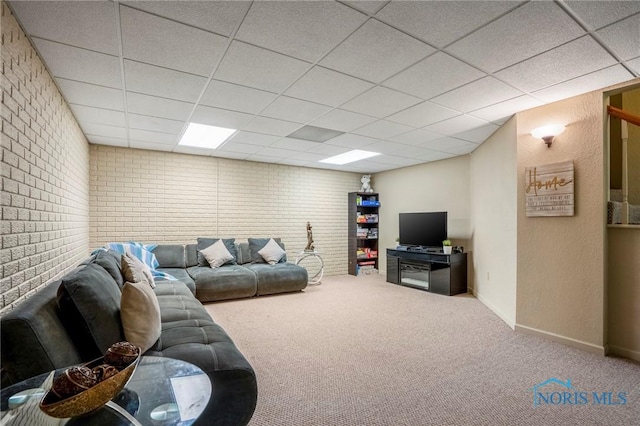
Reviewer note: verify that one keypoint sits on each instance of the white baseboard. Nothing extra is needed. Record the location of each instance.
(627, 353)
(579, 344)
(509, 321)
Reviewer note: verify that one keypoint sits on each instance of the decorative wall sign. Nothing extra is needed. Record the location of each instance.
(549, 190)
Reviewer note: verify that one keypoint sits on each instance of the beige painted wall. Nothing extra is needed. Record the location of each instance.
(437, 186)
(161, 197)
(493, 203)
(631, 103)
(561, 260)
(45, 175)
(624, 291)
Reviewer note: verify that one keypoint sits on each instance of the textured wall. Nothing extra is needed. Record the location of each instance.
(561, 260)
(161, 197)
(631, 103)
(436, 186)
(45, 175)
(494, 221)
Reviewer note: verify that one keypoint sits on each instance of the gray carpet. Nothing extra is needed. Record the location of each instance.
(360, 351)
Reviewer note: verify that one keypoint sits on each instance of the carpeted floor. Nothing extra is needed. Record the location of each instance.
(360, 351)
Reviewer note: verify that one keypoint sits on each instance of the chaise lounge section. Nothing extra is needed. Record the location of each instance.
(75, 319)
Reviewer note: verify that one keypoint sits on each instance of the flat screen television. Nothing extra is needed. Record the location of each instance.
(427, 229)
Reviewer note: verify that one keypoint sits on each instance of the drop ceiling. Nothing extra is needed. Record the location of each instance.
(416, 81)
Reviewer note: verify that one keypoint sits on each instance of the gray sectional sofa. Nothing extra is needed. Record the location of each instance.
(76, 318)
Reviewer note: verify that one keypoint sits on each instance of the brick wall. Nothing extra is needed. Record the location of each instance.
(44, 170)
(161, 197)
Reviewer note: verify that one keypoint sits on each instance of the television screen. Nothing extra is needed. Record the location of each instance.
(426, 229)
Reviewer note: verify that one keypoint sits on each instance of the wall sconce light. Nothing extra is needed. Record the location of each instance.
(547, 133)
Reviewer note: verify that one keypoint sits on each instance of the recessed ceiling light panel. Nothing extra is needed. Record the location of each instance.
(349, 157)
(204, 136)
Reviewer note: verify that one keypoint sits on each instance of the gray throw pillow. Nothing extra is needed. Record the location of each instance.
(229, 243)
(140, 313)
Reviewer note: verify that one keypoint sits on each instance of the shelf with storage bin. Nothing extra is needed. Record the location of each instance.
(363, 216)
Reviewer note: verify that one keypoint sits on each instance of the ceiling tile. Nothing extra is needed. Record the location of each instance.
(238, 98)
(220, 17)
(294, 144)
(434, 75)
(259, 68)
(386, 148)
(349, 140)
(76, 92)
(517, 36)
(104, 140)
(271, 126)
(573, 59)
(158, 107)
(477, 135)
(327, 87)
(305, 30)
(328, 150)
(155, 137)
(382, 129)
(635, 65)
(79, 64)
(150, 145)
(183, 149)
(162, 82)
(85, 114)
(458, 124)
(416, 137)
(275, 152)
(345, 121)
(597, 14)
(432, 155)
(220, 117)
(367, 6)
(623, 37)
(243, 148)
(158, 41)
(144, 122)
(480, 93)
(423, 114)
(230, 155)
(104, 130)
(380, 102)
(500, 111)
(90, 25)
(586, 83)
(375, 52)
(431, 21)
(254, 138)
(446, 144)
(286, 108)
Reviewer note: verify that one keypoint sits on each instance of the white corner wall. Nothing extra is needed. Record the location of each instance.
(494, 239)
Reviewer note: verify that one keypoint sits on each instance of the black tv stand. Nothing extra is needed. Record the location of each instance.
(432, 271)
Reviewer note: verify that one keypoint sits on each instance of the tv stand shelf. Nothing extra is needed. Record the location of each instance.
(435, 272)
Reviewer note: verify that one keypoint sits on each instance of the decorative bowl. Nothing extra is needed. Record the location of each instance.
(92, 398)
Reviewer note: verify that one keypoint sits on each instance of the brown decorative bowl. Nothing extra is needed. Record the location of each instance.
(90, 399)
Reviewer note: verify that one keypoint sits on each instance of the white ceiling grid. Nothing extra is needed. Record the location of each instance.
(417, 81)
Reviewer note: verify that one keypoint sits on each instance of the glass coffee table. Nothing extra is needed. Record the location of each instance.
(161, 392)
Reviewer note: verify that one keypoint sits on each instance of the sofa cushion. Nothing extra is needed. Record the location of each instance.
(181, 275)
(279, 278)
(230, 244)
(191, 255)
(217, 254)
(257, 244)
(272, 252)
(226, 282)
(89, 303)
(170, 255)
(135, 271)
(110, 260)
(140, 314)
